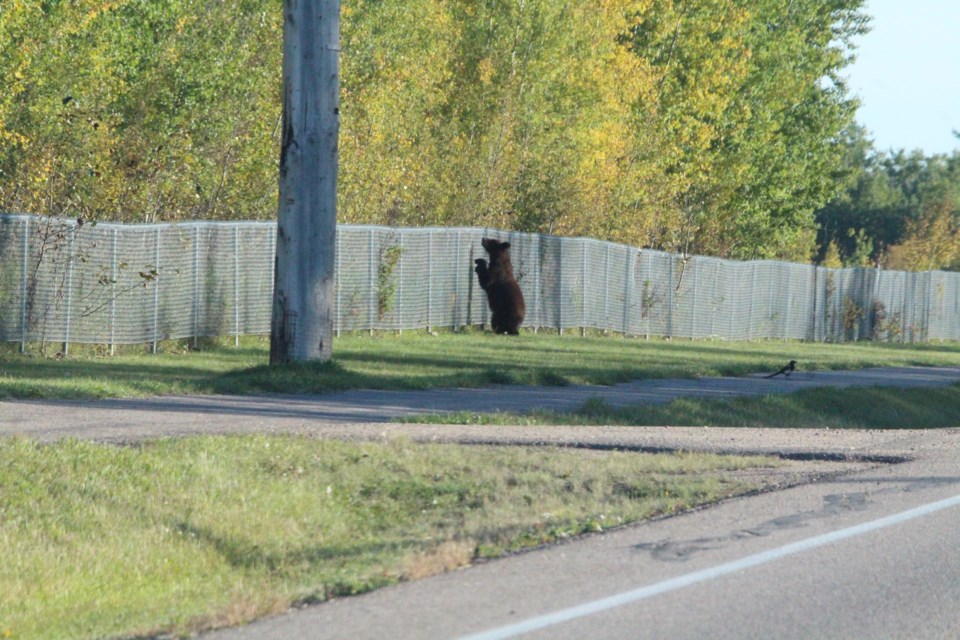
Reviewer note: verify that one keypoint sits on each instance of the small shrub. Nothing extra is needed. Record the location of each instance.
(386, 283)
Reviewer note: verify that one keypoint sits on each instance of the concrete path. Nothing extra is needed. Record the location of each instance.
(361, 413)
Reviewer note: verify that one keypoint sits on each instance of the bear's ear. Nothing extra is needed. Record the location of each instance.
(504, 245)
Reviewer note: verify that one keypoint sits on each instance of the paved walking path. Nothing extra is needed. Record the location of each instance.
(364, 413)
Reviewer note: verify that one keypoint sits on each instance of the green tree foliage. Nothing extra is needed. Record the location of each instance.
(138, 110)
(706, 126)
(900, 209)
(751, 106)
(499, 113)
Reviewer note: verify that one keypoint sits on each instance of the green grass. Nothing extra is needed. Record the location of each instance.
(173, 536)
(417, 360)
(178, 535)
(823, 408)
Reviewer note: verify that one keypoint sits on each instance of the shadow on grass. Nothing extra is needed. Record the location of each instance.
(421, 361)
(250, 556)
(303, 378)
(35, 378)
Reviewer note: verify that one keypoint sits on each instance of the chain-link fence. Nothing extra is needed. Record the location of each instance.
(61, 281)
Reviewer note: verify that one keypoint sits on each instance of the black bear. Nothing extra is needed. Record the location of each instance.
(503, 292)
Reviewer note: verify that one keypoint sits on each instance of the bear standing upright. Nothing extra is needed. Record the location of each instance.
(503, 293)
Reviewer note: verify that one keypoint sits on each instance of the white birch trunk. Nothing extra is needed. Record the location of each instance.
(302, 321)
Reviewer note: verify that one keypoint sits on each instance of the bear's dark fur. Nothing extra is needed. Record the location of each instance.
(503, 293)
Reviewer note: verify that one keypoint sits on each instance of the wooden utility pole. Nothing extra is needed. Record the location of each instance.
(302, 321)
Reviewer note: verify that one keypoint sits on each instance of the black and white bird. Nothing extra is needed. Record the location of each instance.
(785, 371)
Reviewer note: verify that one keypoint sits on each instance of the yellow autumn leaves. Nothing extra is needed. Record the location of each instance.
(702, 125)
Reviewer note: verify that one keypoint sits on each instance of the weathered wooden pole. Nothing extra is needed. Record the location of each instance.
(302, 321)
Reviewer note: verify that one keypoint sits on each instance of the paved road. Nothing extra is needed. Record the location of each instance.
(871, 553)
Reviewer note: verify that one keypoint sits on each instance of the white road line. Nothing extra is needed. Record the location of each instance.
(634, 595)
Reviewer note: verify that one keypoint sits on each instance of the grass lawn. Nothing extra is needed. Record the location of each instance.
(179, 535)
(823, 408)
(417, 360)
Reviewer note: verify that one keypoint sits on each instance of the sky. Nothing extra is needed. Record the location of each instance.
(907, 75)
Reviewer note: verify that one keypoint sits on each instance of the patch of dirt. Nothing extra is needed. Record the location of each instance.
(791, 473)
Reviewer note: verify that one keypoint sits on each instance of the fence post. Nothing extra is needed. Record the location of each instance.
(813, 306)
(713, 299)
(470, 286)
(769, 268)
(560, 244)
(156, 296)
(69, 294)
(690, 264)
(538, 282)
(644, 311)
(236, 285)
(196, 283)
(429, 278)
(954, 334)
(339, 252)
(874, 299)
(23, 285)
(670, 299)
(838, 320)
(273, 248)
(753, 288)
(733, 307)
(919, 304)
(113, 290)
(914, 286)
(606, 290)
(273, 263)
(631, 256)
(789, 302)
(583, 287)
(901, 302)
(456, 283)
(400, 288)
(371, 275)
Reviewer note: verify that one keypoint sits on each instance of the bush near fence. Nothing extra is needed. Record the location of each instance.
(62, 282)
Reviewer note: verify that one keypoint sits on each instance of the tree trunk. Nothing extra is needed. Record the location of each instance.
(302, 321)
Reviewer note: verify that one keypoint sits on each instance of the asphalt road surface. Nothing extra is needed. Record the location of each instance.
(868, 551)
(870, 554)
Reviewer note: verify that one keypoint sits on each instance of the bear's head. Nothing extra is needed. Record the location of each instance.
(496, 248)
